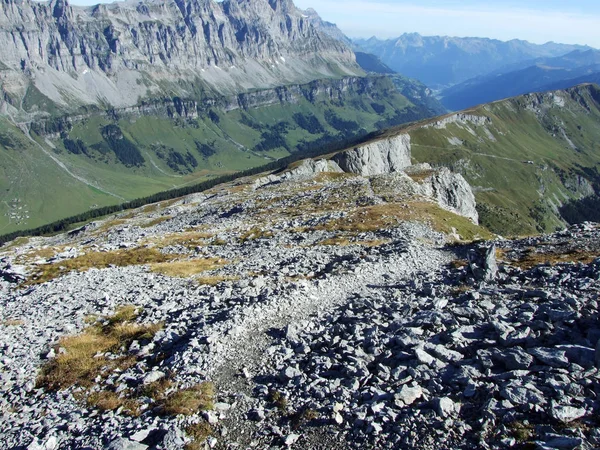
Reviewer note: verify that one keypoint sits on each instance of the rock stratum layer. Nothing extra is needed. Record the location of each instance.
(118, 53)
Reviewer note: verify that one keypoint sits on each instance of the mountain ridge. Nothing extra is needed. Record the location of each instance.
(442, 61)
(564, 71)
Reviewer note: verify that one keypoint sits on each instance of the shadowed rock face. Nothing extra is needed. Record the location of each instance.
(106, 52)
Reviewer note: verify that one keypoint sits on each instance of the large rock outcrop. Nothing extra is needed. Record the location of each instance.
(377, 157)
(452, 192)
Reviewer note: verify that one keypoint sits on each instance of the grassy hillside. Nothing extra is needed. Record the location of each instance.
(67, 165)
(529, 158)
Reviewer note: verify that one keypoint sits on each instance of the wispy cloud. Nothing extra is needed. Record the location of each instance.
(367, 18)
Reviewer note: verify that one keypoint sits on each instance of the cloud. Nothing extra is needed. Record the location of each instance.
(366, 18)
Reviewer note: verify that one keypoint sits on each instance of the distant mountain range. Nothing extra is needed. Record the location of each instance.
(441, 61)
(545, 74)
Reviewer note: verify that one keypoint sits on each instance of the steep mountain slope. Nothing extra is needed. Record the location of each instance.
(371, 63)
(562, 72)
(441, 61)
(529, 158)
(120, 101)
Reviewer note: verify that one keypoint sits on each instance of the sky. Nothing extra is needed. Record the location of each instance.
(538, 21)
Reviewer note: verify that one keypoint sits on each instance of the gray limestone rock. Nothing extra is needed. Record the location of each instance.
(378, 157)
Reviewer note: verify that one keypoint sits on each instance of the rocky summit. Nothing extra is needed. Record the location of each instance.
(351, 301)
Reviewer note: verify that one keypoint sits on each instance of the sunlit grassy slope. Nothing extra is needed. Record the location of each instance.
(534, 154)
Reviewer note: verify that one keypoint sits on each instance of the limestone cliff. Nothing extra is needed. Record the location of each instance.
(115, 54)
(377, 157)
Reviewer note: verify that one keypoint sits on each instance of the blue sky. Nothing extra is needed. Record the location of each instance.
(539, 21)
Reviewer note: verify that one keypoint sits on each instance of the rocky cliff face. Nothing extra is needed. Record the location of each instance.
(377, 157)
(391, 156)
(115, 54)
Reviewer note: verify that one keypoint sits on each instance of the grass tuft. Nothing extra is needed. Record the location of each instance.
(199, 432)
(254, 234)
(378, 217)
(188, 268)
(533, 258)
(156, 221)
(94, 353)
(199, 397)
(98, 260)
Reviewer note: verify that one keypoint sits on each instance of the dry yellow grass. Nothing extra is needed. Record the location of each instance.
(340, 241)
(534, 258)
(110, 224)
(98, 260)
(343, 241)
(111, 401)
(83, 359)
(18, 242)
(214, 280)
(378, 217)
(189, 239)
(199, 432)
(199, 397)
(254, 234)
(13, 323)
(156, 221)
(326, 177)
(188, 268)
(41, 253)
(421, 176)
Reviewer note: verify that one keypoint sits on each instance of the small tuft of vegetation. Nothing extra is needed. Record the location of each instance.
(278, 399)
(303, 417)
(98, 260)
(13, 323)
(189, 239)
(156, 221)
(327, 177)
(520, 431)
(95, 353)
(215, 279)
(421, 176)
(105, 400)
(199, 397)
(459, 263)
(199, 432)
(254, 234)
(188, 268)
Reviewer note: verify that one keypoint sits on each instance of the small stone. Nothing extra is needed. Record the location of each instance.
(408, 395)
(256, 415)
(291, 439)
(566, 414)
(125, 444)
(338, 418)
(153, 377)
(211, 417)
(445, 407)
